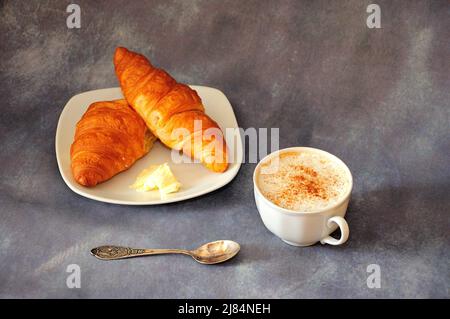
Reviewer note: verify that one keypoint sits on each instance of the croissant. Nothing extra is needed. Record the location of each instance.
(172, 111)
(109, 138)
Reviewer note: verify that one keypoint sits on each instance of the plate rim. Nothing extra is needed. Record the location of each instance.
(239, 158)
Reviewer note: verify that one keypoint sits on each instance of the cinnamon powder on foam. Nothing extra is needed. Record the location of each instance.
(302, 181)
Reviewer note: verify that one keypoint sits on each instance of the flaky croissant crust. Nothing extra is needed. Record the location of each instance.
(109, 138)
(169, 107)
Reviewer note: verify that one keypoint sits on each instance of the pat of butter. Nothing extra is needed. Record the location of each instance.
(157, 177)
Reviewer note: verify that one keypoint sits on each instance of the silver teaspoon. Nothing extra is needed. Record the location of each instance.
(211, 253)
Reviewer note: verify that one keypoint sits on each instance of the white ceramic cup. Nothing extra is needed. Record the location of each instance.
(304, 228)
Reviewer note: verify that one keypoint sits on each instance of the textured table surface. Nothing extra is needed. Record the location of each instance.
(377, 98)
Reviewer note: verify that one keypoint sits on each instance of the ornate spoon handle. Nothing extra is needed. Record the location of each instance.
(118, 252)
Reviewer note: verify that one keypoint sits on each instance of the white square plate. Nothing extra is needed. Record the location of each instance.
(196, 180)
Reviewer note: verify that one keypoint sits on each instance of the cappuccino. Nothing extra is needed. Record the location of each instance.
(303, 181)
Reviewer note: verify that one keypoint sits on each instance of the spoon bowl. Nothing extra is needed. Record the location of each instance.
(215, 252)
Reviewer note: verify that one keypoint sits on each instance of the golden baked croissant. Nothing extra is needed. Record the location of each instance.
(109, 138)
(173, 111)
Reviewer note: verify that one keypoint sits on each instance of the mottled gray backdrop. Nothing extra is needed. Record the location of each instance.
(377, 98)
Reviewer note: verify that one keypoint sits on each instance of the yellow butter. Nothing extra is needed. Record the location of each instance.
(157, 177)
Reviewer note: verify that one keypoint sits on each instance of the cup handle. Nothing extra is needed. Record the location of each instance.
(344, 231)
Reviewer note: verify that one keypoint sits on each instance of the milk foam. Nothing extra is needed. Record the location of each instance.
(303, 181)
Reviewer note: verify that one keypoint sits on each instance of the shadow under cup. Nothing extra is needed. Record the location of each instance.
(304, 228)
